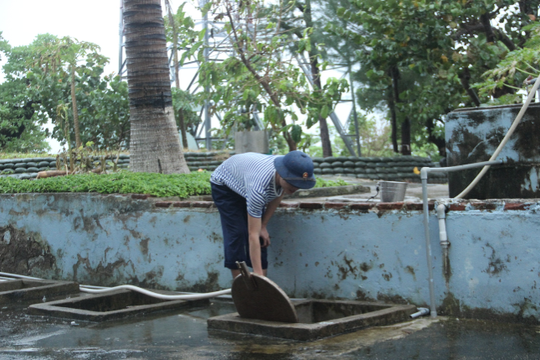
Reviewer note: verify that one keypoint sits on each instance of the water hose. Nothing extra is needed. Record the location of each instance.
(504, 140)
(99, 289)
(95, 290)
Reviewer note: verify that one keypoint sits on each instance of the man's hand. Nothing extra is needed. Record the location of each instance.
(265, 237)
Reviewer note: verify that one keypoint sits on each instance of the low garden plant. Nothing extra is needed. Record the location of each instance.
(125, 182)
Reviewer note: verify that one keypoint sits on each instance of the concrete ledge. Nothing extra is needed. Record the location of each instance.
(329, 191)
(24, 291)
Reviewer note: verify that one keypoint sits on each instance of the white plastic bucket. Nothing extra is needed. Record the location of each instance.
(392, 191)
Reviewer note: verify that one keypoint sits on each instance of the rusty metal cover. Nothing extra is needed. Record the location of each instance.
(258, 297)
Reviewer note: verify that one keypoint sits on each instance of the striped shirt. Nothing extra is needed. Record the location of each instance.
(252, 176)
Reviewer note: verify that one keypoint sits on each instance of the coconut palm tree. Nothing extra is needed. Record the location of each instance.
(155, 143)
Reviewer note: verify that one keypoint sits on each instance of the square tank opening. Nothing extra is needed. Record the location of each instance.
(112, 302)
(111, 305)
(314, 311)
(317, 319)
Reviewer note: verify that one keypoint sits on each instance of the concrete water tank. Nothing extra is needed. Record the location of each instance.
(473, 134)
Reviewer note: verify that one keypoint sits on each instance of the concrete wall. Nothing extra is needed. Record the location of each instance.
(323, 250)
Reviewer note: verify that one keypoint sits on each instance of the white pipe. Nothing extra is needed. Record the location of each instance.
(443, 236)
(93, 290)
(99, 289)
(420, 312)
(441, 215)
(425, 206)
(516, 122)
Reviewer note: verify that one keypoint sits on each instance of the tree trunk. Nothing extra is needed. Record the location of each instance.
(323, 125)
(406, 137)
(394, 99)
(406, 124)
(74, 107)
(439, 142)
(393, 124)
(465, 76)
(155, 143)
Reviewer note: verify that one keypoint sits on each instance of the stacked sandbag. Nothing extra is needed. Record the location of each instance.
(26, 168)
(397, 168)
(29, 168)
(206, 160)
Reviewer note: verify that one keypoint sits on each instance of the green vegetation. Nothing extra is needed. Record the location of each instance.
(327, 183)
(124, 182)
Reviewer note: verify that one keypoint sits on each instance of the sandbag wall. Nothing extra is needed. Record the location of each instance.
(397, 168)
(28, 168)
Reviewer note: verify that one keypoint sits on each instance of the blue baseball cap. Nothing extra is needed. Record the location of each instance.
(296, 168)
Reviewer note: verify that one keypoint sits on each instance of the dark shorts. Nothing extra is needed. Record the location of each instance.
(234, 223)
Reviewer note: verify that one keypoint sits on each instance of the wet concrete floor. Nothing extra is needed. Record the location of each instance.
(184, 335)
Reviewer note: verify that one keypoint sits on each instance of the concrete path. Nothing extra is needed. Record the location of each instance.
(184, 335)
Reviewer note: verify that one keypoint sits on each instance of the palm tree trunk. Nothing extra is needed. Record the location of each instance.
(155, 143)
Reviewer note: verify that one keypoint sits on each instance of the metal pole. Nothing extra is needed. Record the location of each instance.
(432, 306)
(207, 120)
(355, 116)
(121, 33)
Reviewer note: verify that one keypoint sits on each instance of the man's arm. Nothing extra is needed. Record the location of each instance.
(270, 208)
(257, 230)
(254, 230)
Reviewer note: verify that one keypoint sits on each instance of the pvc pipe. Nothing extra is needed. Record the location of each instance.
(99, 289)
(516, 122)
(93, 290)
(441, 215)
(420, 312)
(425, 207)
(443, 236)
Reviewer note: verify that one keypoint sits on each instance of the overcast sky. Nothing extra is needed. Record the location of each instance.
(96, 21)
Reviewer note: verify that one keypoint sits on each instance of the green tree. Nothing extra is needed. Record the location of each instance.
(431, 51)
(18, 131)
(55, 65)
(517, 67)
(264, 74)
(39, 85)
